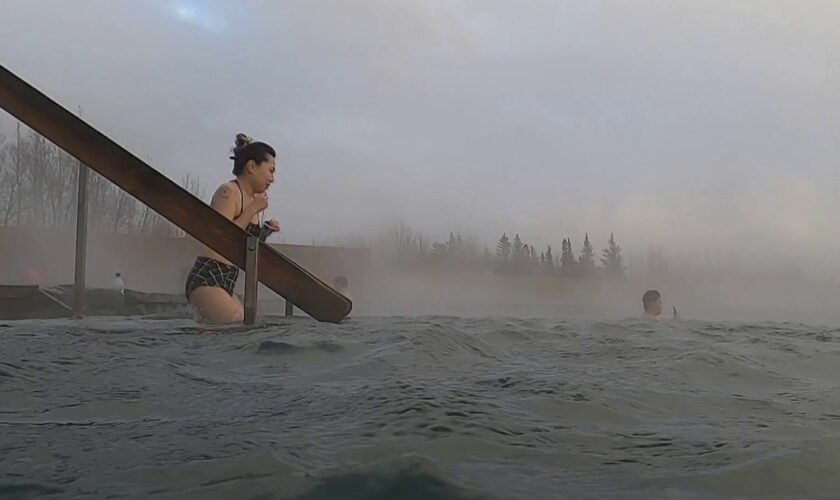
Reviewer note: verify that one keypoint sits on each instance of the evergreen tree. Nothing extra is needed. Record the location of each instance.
(517, 255)
(549, 261)
(611, 259)
(503, 249)
(587, 258)
(517, 249)
(567, 259)
(526, 256)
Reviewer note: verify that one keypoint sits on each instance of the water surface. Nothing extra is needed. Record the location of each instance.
(422, 407)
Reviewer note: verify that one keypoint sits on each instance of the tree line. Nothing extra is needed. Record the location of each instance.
(516, 257)
(39, 189)
(412, 251)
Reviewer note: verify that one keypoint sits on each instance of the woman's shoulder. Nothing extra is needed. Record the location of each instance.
(226, 191)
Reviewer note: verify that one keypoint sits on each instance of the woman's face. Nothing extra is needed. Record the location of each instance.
(261, 176)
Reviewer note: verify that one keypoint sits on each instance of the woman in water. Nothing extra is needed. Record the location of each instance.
(209, 286)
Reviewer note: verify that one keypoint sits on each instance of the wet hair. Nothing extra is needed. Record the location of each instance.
(649, 299)
(246, 149)
(340, 281)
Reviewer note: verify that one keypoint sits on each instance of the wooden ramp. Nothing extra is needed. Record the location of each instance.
(167, 198)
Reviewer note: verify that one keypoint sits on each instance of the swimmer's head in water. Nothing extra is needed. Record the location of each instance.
(253, 162)
(652, 301)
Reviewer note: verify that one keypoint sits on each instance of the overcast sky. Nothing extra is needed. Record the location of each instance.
(675, 123)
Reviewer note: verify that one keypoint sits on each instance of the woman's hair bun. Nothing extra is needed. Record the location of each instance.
(241, 141)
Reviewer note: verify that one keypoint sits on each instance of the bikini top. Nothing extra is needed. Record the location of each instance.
(251, 228)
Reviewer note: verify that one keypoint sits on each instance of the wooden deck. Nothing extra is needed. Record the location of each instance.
(35, 302)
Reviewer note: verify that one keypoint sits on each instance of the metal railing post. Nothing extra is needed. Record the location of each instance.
(251, 281)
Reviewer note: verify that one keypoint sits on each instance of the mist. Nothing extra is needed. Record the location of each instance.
(694, 128)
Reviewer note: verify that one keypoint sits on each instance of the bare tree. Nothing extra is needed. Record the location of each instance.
(38, 187)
